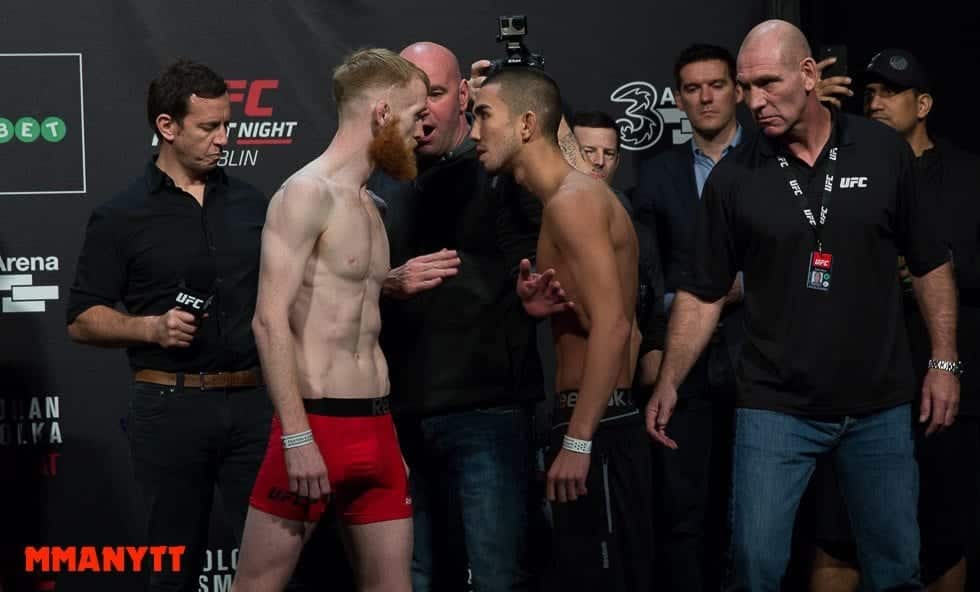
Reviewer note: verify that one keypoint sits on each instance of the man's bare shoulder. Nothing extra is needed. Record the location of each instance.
(310, 187)
(303, 202)
(580, 198)
(308, 181)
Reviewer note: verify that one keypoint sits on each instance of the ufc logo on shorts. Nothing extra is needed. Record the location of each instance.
(852, 182)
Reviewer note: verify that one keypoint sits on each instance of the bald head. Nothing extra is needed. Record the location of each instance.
(776, 37)
(444, 126)
(437, 61)
(778, 76)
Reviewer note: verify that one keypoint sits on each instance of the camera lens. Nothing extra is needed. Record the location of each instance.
(518, 24)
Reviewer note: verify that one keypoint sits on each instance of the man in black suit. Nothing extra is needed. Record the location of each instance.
(693, 480)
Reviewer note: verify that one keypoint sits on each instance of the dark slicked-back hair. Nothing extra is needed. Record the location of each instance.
(171, 91)
(528, 89)
(597, 119)
(703, 52)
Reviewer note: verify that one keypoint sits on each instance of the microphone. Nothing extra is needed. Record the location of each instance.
(196, 290)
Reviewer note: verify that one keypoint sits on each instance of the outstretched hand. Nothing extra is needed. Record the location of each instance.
(421, 273)
(540, 293)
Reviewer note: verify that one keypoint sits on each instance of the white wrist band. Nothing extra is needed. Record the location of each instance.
(298, 439)
(576, 445)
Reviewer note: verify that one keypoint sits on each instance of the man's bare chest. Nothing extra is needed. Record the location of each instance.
(354, 244)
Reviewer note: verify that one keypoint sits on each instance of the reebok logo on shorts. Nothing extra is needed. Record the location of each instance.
(281, 495)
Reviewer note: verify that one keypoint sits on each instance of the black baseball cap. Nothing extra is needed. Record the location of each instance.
(897, 68)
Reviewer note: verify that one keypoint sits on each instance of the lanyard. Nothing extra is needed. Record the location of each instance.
(828, 188)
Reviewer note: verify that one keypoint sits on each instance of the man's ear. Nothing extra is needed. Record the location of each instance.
(808, 69)
(464, 95)
(529, 126)
(923, 105)
(167, 127)
(380, 114)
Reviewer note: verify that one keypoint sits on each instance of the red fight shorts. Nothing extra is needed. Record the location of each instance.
(359, 446)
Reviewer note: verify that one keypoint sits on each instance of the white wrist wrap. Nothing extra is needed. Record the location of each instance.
(576, 445)
(297, 440)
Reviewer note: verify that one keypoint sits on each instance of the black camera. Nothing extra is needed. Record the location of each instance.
(511, 31)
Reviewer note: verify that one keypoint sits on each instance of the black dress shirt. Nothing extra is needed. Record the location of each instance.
(140, 247)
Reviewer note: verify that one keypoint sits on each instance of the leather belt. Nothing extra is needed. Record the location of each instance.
(202, 380)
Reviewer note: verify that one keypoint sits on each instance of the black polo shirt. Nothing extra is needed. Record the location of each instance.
(809, 352)
(140, 246)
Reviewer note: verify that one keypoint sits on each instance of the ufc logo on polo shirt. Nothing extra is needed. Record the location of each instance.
(853, 182)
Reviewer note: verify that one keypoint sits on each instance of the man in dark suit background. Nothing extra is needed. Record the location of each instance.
(693, 480)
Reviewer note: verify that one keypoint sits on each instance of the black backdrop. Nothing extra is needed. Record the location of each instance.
(66, 477)
(72, 82)
(942, 34)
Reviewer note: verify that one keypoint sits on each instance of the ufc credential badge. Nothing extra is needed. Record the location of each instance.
(818, 276)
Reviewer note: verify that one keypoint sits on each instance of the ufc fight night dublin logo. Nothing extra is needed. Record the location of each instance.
(254, 126)
(646, 114)
(17, 288)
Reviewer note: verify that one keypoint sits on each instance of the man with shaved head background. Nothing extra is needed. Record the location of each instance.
(464, 368)
(815, 207)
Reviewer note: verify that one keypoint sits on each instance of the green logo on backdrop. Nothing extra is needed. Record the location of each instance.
(53, 129)
(6, 130)
(27, 129)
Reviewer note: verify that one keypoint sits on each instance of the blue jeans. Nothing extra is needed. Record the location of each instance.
(470, 474)
(774, 457)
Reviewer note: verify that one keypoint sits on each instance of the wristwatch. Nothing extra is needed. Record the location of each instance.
(954, 368)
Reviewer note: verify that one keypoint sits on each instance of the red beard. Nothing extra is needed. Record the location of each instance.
(391, 153)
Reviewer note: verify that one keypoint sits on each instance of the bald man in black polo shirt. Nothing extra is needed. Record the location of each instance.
(815, 209)
(199, 413)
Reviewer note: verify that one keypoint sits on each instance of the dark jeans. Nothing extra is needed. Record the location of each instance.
(691, 492)
(183, 443)
(470, 474)
(972, 426)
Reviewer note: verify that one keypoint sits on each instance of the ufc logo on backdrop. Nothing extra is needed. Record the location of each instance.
(258, 99)
(850, 182)
(251, 95)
